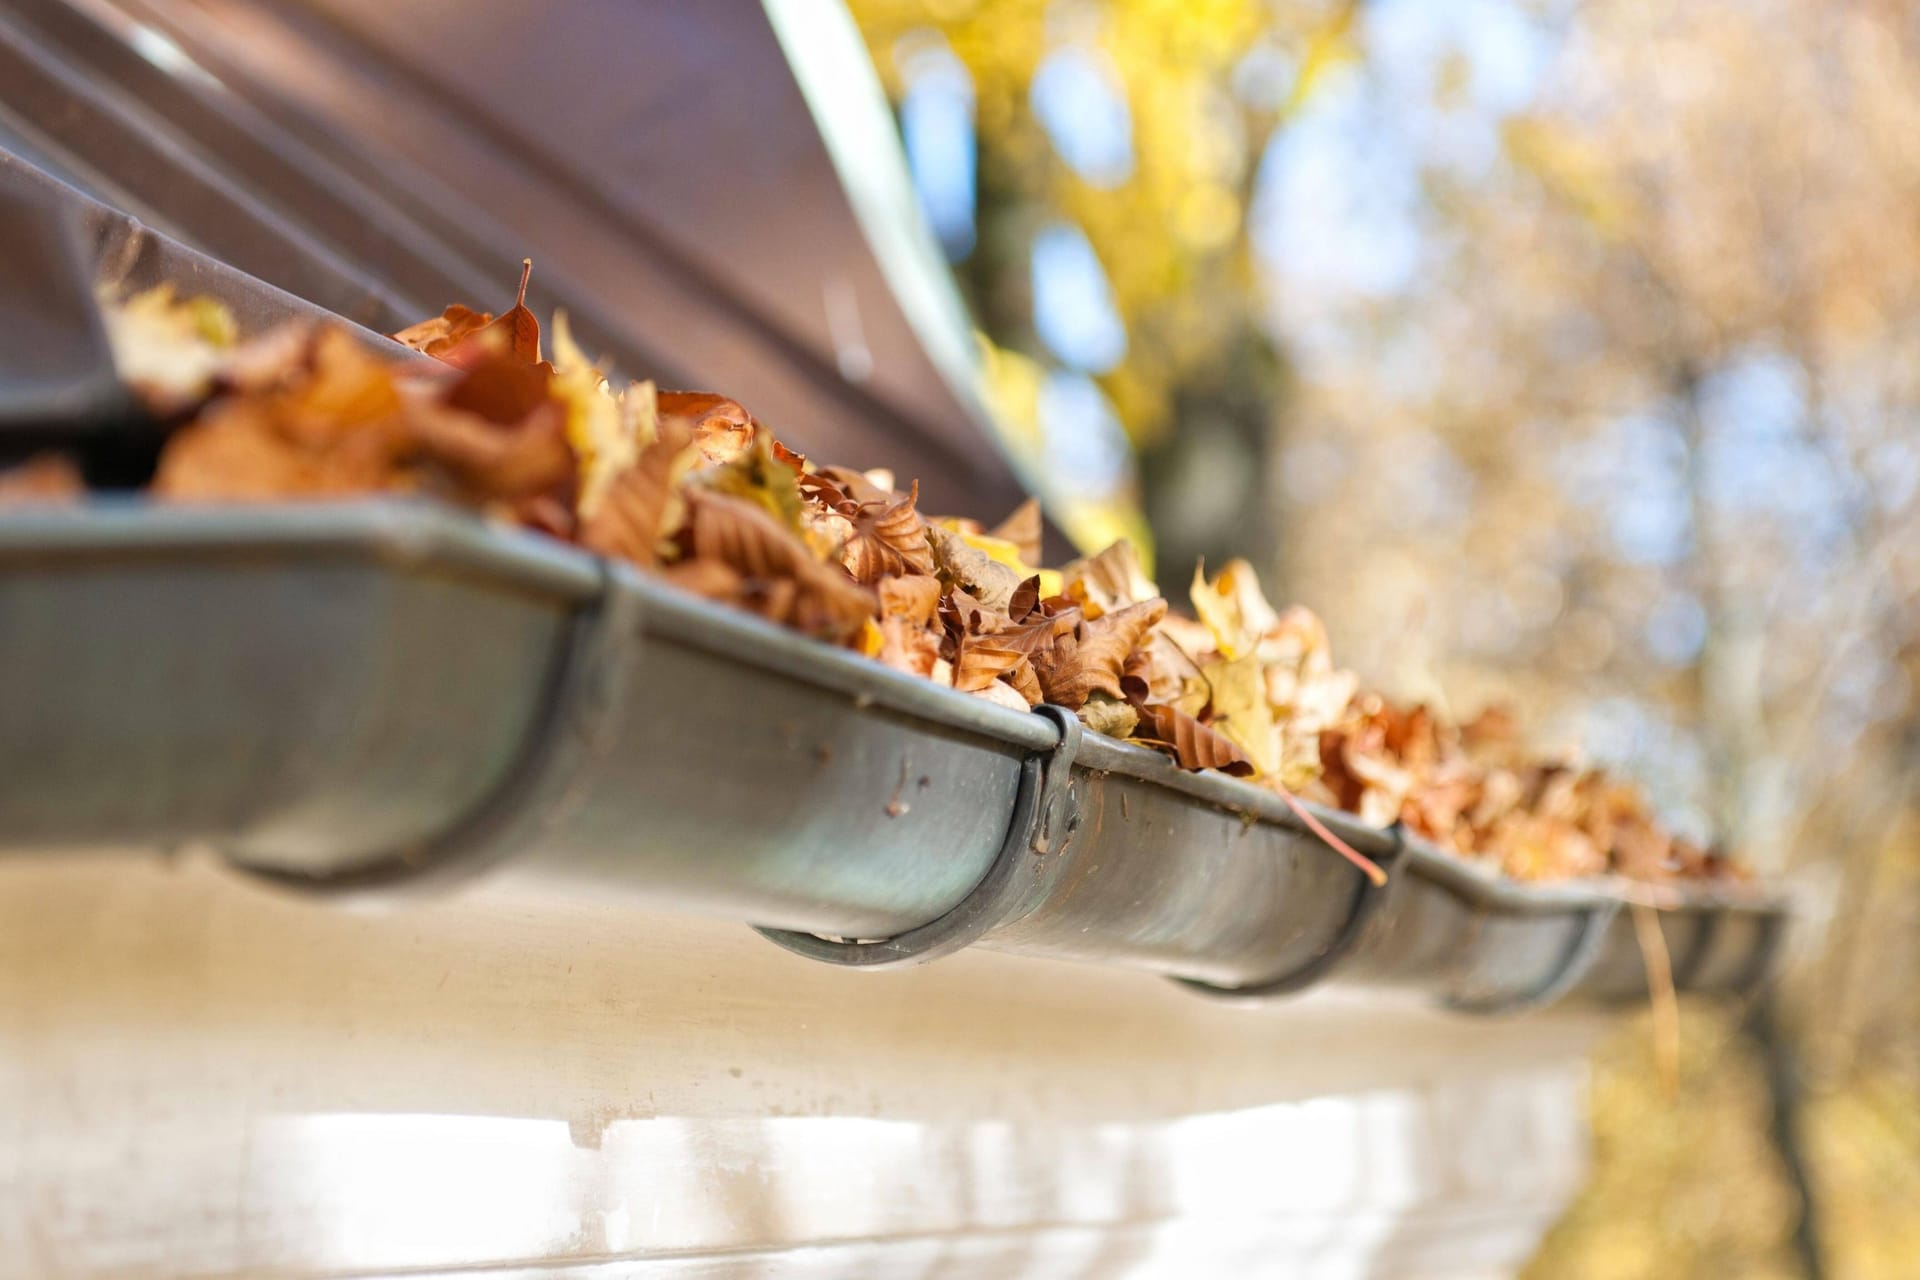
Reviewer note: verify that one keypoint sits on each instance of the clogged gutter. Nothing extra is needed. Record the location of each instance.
(689, 486)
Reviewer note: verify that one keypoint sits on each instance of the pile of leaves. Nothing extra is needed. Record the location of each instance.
(691, 487)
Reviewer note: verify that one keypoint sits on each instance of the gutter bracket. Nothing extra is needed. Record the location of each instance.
(1579, 956)
(1366, 905)
(577, 718)
(1045, 815)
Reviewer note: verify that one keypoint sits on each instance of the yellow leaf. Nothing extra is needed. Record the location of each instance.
(1233, 608)
(1006, 552)
(603, 437)
(1109, 580)
(1240, 709)
(168, 348)
(759, 475)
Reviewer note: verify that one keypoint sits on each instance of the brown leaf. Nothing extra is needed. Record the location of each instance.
(1063, 674)
(912, 597)
(1163, 667)
(1025, 682)
(756, 474)
(1023, 529)
(1193, 744)
(1108, 580)
(741, 534)
(519, 325)
(337, 426)
(1000, 693)
(440, 335)
(463, 337)
(45, 477)
(819, 489)
(908, 646)
(1025, 599)
(1092, 656)
(722, 428)
(500, 387)
(641, 508)
(960, 565)
(857, 487)
(489, 461)
(1040, 633)
(782, 579)
(798, 461)
(1110, 716)
(978, 662)
(964, 616)
(888, 540)
(908, 637)
(710, 579)
(1107, 642)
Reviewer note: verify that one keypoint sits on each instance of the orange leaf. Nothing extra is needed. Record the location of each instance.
(978, 663)
(519, 325)
(912, 597)
(722, 428)
(888, 541)
(1107, 642)
(45, 477)
(496, 461)
(637, 511)
(783, 581)
(1193, 744)
(441, 334)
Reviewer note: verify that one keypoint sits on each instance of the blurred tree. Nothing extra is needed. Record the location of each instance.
(1594, 330)
(1139, 127)
(1644, 415)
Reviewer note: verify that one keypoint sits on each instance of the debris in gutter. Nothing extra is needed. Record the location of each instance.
(691, 487)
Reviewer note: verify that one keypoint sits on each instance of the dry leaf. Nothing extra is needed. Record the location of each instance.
(721, 427)
(642, 505)
(1111, 716)
(978, 662)
(605, 434)
(1025, 682)
(45, 477)
(780, 578)
(1239, 697)
(1022, 531)
(756, 473)
(1193, 744)
(1233, 608)
(440, 335)
(689, 485)
(488, 460)
(166, 349)
(1091, 656)
(1003, 695)
(981, 576)
(337, 427)
(1003, 552)
(888, 540)
(519, 326)
(1108, 641)
(1108, 580)
(913, 598)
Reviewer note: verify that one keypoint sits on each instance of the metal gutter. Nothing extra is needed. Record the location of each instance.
(387, 696)
(384, 695)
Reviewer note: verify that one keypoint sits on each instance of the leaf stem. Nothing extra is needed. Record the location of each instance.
(1339, 846)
